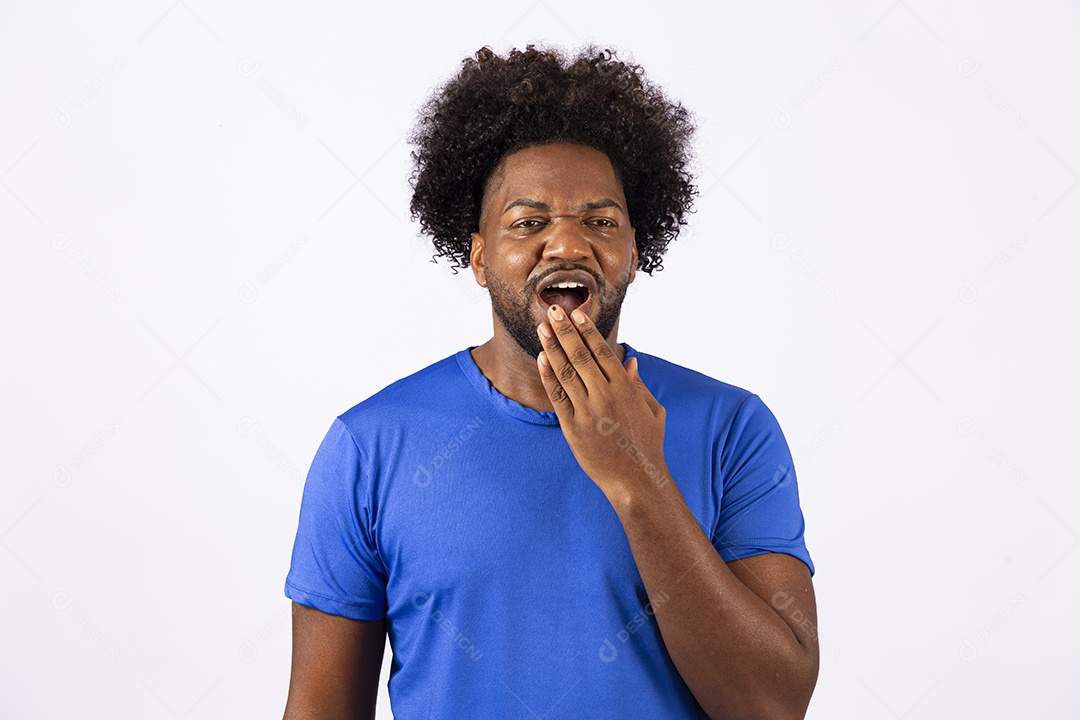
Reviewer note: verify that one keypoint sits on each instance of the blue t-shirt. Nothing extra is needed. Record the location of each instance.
(505, 576)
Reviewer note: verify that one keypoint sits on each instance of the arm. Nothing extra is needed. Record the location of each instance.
(743, 634)
(335, 666)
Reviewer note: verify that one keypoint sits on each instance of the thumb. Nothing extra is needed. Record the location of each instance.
(635, 377)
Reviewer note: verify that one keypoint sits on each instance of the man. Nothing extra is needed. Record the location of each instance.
(553, 524)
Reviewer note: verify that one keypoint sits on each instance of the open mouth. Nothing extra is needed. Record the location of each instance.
(567, 295)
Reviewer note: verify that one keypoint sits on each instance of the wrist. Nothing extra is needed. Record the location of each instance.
(630, 495)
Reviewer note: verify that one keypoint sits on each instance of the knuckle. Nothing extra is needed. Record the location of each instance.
(580, 356)
(567, 373)
(603, 350)
(565, 329)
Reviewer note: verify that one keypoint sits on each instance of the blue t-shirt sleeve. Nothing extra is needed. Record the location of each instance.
(759, 508)
(336, 567)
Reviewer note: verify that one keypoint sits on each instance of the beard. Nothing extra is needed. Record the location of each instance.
(514, 309)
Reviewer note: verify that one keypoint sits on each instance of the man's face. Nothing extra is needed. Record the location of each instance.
(554, 212)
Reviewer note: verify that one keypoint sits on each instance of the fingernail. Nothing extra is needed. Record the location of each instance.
(556, 312)
(545, 330)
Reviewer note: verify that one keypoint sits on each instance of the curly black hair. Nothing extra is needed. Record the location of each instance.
(495, 106)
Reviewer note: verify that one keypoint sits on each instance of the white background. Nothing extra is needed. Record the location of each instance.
(208, 256)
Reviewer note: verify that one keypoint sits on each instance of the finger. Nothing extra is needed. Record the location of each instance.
(564, 406)
(562, 369)
(635, 377)
(576, 351)
(603, 355)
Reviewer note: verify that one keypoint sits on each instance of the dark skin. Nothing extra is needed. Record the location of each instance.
(335, 666)
(743, 634)
(522, 247)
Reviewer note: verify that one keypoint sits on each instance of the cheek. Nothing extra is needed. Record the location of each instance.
(619, 260)
(518, 262)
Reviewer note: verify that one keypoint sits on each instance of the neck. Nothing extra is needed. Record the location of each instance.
(514, 373)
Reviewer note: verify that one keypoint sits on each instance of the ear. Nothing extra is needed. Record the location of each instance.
(476, 259)
(633, 262)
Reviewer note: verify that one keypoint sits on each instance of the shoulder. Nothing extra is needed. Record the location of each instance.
(408, 396)
(695, 395)
(680, 384)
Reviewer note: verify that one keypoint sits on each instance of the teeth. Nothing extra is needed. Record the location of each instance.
(564, 285)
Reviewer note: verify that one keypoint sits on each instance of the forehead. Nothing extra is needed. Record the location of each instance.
(557, 171)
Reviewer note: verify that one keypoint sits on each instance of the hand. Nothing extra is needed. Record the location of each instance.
(613, 424)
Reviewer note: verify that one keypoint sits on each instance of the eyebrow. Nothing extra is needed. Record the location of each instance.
(537, 205)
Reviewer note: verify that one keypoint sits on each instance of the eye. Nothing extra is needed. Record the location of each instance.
(604, 222)
(525, 223)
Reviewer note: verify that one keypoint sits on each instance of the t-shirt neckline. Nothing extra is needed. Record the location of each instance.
(504, 404)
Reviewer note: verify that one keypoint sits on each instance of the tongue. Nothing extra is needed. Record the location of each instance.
(566, 299)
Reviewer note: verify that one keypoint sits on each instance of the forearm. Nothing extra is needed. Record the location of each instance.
(739, 658)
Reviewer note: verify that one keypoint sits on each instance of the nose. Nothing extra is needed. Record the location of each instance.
(566, 240)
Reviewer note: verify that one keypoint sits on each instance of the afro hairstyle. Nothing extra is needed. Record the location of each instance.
(495, 106)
